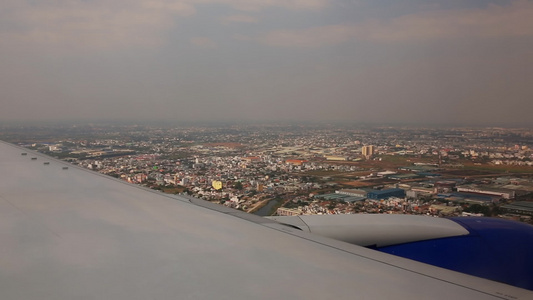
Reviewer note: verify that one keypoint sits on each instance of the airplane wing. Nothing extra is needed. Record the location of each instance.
(71, 233)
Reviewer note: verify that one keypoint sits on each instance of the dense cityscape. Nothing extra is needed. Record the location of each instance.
(271, 169)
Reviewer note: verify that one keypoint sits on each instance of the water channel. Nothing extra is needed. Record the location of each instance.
(267, 209)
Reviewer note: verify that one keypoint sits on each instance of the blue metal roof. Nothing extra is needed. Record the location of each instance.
(386, 191)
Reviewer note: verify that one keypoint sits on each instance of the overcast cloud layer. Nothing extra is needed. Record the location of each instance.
(416, 61)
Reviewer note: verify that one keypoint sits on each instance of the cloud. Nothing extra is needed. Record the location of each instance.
(203, 42)
(239, 19)
(312, 37)
(103, 25)
(255, 5)
(90, 25)
(494, 21)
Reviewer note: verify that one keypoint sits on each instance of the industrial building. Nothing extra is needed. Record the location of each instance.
(503, 193)
(403, 176)
(386, 193)
(340, 197)
(296, 162)
(352, 192)
(336, 158)
(521, 208)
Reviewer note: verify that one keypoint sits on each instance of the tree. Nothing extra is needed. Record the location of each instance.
(238, 185)
(478, 209)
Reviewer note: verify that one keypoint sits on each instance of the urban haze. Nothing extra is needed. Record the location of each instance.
(417, 62)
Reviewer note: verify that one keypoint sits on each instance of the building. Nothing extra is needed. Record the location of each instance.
(386, 173)
(386, 193)
(419, 191)
(403, 176)
(283, 211)
(368, 151)
(352, 192)
(521, 207)
(296, 162)
(137, 178)
(339, 197)
(251, 159)
(503, 193)
(336, 158)
(444, 186)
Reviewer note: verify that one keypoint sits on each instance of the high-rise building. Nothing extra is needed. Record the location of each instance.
(368, 151)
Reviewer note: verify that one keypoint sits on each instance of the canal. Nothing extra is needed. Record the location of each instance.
(270, 208)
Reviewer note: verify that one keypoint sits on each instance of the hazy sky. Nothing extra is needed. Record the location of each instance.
(451, 61)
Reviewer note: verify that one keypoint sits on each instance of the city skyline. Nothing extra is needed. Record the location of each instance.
(258, 61)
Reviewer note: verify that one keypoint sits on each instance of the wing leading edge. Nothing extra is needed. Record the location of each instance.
(66, 232)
